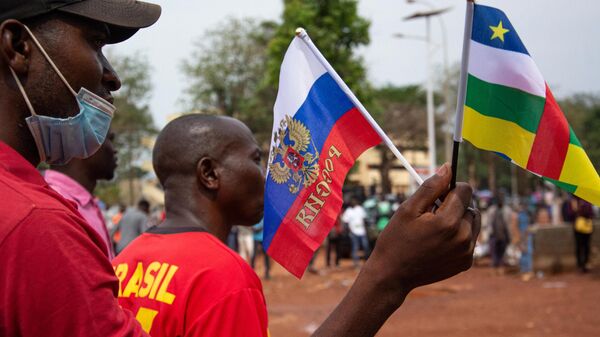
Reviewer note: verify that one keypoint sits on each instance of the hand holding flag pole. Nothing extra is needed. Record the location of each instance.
(301, 33)
(462, 91)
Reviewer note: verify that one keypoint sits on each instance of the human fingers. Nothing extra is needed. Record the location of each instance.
(469, 230)
(476, 223)
(422, 200)
(456, 202)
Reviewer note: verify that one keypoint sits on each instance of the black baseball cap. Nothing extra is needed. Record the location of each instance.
(123, 17)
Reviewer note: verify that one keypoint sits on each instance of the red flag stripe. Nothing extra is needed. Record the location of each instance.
(551, 142)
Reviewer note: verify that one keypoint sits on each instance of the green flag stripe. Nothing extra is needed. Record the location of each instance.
(510, 104)
(567, 187)
(573, 138)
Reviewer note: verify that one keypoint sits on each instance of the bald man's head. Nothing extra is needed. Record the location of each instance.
(217, 156)
(185, 140)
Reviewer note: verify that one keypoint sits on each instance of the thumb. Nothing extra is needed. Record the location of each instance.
(431, 190)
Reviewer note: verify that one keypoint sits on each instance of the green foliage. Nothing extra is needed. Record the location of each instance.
(583, 114)
(401, 112)
(227, 73)
(132, 122)
(336, 29)
(591, 130)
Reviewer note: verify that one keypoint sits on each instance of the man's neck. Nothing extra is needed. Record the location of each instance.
(184, 210)
(21, 141)
(13, 128)
(79, 175)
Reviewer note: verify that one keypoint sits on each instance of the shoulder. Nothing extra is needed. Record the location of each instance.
(31, 204)
(200, 257)
(221, 262)
(53, 227)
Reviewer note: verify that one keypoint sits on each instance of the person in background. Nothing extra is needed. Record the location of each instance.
(133, 223)
(117, 217)
(258, 230)
(355, 217)
(542, 215)
(583, 233)
(569, 209)
(232, 241)
(334, 242)
(384, 212)
(501, 216)
(524, 241)
(115, 232)
(76, 181)
(311, 264)
(246, 243)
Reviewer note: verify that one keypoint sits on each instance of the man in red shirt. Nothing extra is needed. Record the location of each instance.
(55, 87)
(182, 280)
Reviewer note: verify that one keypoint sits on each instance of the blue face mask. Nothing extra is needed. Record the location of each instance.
(59, 140)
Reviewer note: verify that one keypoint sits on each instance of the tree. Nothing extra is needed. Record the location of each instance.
(583, 114)
(132, 122)
(227, 73)
(401, 113)
(336, 29)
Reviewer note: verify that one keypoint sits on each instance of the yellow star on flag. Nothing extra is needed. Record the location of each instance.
(499, 31)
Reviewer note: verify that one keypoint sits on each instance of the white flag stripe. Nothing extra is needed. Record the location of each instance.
(506, 68)
(299, 71)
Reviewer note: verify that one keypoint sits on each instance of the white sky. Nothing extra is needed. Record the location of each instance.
(561, 35)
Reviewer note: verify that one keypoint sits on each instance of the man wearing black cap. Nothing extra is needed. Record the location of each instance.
(56, 104)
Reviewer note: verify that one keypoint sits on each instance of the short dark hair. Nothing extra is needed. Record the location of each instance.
(143, 203)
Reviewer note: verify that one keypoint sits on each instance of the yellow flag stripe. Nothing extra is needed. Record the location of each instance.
(591, 195)
(495, 134)
(578, 169)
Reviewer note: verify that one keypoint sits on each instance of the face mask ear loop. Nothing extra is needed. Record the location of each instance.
(37, 43)
(22, 90)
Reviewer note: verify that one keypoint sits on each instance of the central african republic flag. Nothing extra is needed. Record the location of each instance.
(509, 109)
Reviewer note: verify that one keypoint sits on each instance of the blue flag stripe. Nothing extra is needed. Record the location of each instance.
(324, 105)
(483, 18)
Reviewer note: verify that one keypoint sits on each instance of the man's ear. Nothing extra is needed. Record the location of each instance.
(207, 174)
(15, 45)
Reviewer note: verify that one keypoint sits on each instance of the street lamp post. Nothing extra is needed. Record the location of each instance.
(429, 86)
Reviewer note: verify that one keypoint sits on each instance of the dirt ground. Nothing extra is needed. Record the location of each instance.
(475, 303)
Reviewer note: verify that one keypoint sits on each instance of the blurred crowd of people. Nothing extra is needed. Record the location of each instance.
(124, 224)
(508, 226)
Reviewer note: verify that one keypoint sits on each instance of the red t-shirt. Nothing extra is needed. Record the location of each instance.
(55, 277)
(188, 283)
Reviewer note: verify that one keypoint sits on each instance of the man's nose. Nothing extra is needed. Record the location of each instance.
(109, 77)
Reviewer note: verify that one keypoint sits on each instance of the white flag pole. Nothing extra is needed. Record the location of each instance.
(462, 90)
(301, 33)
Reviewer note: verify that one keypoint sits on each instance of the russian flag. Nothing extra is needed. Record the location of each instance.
(317, 135)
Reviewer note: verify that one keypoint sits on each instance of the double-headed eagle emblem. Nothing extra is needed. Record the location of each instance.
(292, 160)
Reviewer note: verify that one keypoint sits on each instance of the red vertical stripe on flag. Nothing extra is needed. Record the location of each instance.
(293, 245)
(551, 141)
